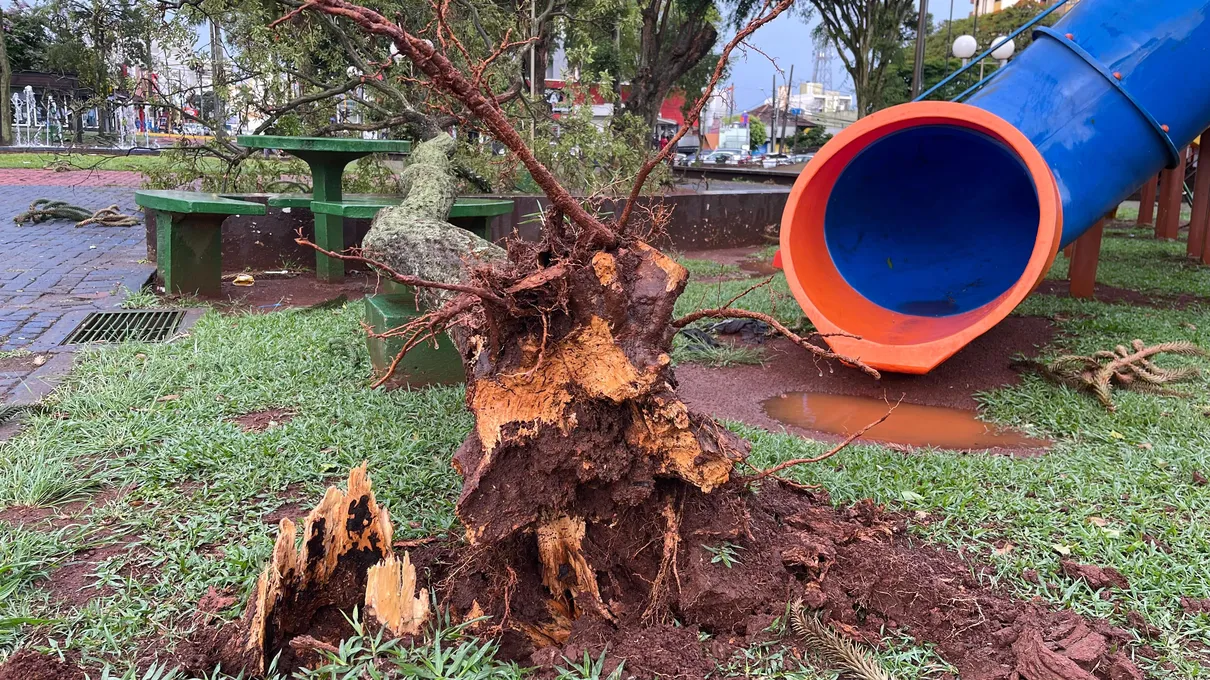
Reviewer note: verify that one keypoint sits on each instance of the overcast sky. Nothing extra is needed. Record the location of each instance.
(788, 40)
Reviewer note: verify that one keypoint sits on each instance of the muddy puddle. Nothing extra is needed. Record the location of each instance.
(758, 267)
(911, 424)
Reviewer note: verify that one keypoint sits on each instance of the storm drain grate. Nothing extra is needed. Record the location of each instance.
(132, 325)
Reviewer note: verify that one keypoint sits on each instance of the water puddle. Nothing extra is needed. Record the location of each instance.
(910, 424)
(758, 267)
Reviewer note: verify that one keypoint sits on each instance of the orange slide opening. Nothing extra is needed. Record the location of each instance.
(917, 229)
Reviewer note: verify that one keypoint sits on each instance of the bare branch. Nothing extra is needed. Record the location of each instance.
(696, 111)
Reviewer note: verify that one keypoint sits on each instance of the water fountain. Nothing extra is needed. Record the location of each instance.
(37, 125)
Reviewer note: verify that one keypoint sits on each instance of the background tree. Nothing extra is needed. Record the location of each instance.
(939, 63)
(869, 34)
(811, 139)
(758, 134)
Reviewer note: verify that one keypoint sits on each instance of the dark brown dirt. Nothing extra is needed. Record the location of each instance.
(736, 392)
(30, 665)
(1195, 606)
(19, 364)
(856, 567)
(272, 293)
(59, 516)
(1094, 576)
(73, 584)
(1125, 296)
(259, 421)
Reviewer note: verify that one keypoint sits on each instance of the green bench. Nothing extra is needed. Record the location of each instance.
(424, 365)
(475, 214)
(189, 240)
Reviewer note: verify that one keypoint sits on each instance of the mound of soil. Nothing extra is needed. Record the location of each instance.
(856, 567)
(30, 665)
(259, 421)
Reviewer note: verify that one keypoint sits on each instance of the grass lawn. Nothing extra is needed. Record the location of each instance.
(179, 499)
(85, 161)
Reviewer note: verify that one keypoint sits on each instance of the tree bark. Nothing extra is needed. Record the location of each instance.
(668, 49)
(6, 83)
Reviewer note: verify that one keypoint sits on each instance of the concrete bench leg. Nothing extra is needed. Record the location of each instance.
(423, 366)
(1083, 272)
(189, 253)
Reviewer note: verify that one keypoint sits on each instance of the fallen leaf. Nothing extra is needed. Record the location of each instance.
(169, 397)
(1099, 521)
(243, 280)
(1116, 435)
(1146, 446)
(40, 360)
(1005, 549)
(1063, 550)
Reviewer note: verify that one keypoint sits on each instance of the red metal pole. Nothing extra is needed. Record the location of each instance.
(1199, 225)
(1172, 187)
(1147, 201)
(1083, 272)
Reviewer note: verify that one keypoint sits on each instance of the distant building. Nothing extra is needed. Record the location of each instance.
(832, 109)
(788, 123)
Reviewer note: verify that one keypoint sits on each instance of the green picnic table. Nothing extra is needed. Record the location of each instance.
(477, 211)
(327, 158)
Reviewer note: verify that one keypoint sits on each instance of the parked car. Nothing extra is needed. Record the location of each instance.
(720, 158)
(803, 157)
(772, 160)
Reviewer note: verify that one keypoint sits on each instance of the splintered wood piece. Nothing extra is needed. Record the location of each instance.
(342, 537)
(564, 569)
(391, 596)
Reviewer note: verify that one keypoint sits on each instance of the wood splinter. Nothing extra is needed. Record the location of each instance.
(344, 559)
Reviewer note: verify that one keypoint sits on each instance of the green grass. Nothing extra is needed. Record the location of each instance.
(81, 161)
(703, 268)
(1137, 261)
(198, 487)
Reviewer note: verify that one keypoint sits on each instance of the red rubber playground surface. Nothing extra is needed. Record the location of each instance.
(71, 178)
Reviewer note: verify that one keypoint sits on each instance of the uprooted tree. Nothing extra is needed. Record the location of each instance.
(589, 488)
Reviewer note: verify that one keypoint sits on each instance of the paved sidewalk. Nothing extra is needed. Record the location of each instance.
(53, 274)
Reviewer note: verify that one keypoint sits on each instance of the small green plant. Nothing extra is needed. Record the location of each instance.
(140, 299)
(725, 553)
(589, 669)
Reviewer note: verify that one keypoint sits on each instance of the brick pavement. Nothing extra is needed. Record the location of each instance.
(71, 178)
(53, 274)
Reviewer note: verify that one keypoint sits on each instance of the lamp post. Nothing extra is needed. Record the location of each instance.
(965, 47)
(1004, 49)
(921, 32)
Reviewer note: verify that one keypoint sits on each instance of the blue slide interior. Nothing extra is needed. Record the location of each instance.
(932, 221)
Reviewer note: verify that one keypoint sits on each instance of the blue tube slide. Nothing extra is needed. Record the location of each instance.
(923, 225)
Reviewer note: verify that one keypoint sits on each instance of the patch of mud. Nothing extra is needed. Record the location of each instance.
(731, 256)
(59, 516)
(259, 421)
(30, 665)
(275, 294)
(1124, 296)
(737, 392)
(75, 583)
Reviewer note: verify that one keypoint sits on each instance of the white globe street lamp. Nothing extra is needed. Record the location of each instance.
(965, 47)
(1004, 49)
